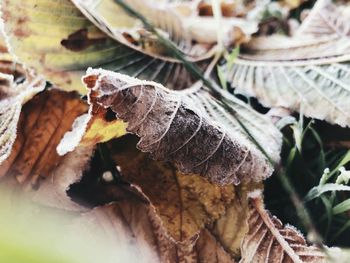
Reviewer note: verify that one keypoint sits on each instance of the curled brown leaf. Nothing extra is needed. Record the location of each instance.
(173, 129)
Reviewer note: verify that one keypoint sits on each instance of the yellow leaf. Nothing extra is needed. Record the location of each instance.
(102, 129)
(185, 203)
(292, 3)
(100, 125)
(231, 227)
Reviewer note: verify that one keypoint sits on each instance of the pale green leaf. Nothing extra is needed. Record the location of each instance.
(321, 189)
(342, 207)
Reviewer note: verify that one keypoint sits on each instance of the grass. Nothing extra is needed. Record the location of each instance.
(305, 164)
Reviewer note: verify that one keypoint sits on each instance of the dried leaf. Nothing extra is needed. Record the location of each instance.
(16, 87)
(268, 241)
(115, 22)
(172, 128)
(59, 42)
(308, 72)
(195, 36)
(134, 229)
(43, 121)
(231, 228)
(184, 203)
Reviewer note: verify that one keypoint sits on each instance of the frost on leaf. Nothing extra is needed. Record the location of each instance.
(16, 87)
(42, 124)
(308, 72)
(269, 241)
(171, 127)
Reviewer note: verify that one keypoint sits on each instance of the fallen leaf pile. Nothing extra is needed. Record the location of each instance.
(100, 120)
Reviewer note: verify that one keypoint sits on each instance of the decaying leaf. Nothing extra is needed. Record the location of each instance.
(134, 229)
(172, 128)
(308, 72)
(194, 35)
(231, 228)
(16, 87)
(42, 123)
(114, 21)
(185, 203)
(59, 42)
(268, 241)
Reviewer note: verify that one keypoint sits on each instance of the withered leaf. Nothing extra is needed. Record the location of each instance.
(79, 40)
(115, 22)
(308, 72)
(172, 128)
(231, 227)
(56, 39)
(133, 228)
(268, 241)
(184, 203)
(43, 121)
(195, 36)
(16, 87)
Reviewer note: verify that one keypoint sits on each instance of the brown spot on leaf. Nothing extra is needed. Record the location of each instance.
(79, 41)
(206, 9)
(130, 38)
(90, 81)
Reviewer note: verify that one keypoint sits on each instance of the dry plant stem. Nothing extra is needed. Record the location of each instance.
(301, 209)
